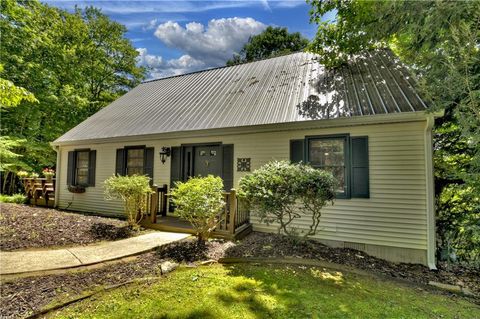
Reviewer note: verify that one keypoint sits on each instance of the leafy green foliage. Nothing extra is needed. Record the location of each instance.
(275, 189)
(439, 42)
(133, 191)
(458, 202)
(72, 63)
(12, 95)
(9, 159)
(458, 217)
(15, 198)
(274, 41)
(199, 201)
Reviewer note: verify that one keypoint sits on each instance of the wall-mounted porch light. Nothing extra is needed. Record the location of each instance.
(164, 153)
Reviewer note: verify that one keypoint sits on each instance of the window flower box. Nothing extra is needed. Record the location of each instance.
(76, 189)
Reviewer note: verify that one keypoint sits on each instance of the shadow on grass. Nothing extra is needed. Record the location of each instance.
(246, 294)
(194, 314)
(286, 292)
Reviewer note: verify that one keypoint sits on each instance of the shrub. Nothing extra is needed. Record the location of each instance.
(23, 174)
(16, 198)
(458, 224)
(282, 192)
(199, 201)
(133, 190)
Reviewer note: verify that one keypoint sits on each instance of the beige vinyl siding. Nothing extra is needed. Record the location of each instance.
(394, 215)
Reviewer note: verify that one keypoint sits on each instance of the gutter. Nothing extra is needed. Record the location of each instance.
(262, 128)
(430, 190)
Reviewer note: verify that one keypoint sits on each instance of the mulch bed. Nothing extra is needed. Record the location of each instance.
(23, 226)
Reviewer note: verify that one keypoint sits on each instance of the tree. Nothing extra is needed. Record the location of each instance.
(10, 159)
(439, 42)
(274, 41)
(280, 192)
(12, 95)
(73, 63)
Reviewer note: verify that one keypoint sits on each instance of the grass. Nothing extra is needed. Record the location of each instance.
(16, 198)
(249, 291)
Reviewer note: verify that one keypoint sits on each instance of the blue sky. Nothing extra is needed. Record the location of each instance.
(176, 37)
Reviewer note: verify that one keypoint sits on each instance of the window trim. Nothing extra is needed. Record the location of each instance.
(347, 154)
(125, 157)
(75, 167)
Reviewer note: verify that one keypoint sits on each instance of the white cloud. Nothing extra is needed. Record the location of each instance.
(148, 60)
(265, 5)
(152, 24)
(158, 67)
(213, 44)
(288, 3)
(155, 6)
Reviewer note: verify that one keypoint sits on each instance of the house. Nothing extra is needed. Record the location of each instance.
(364, 122)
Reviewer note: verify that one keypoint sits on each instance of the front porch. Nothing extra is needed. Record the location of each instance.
(234, 218)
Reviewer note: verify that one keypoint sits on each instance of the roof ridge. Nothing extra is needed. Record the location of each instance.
(222, 67)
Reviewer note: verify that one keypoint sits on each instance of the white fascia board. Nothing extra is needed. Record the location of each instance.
(274, 127)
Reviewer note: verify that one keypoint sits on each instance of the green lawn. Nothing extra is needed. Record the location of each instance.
(249, 291)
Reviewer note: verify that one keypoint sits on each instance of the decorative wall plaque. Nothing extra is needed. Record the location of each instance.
(243, 165)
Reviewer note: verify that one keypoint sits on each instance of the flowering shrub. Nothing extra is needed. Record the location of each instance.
(48, 172)
(34, 175)
(22, 174)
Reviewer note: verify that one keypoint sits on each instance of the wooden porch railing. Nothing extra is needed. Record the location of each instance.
(234, 216)
(40, 191)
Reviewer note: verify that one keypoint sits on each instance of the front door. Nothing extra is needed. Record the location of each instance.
(207, 160)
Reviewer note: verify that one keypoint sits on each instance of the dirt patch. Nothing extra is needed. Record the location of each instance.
(23, 226)
(273, 245)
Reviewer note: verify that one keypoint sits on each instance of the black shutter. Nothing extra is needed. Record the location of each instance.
(227, 173)
(120, 162)
(175, 165)
(360, 178)
(149, 158)
(71, 168)
(297, 151)
(92, 159)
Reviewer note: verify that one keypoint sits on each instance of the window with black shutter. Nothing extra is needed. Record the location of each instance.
(81, 167)
(344, 156)
(135, 160)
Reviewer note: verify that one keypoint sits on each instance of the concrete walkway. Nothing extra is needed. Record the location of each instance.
(19, 262)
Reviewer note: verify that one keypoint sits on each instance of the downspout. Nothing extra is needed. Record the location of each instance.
(431, 246)
(57, 175)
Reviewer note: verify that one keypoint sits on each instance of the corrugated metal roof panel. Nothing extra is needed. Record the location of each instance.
(289, 88)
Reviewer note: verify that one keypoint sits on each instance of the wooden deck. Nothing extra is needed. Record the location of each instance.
(175, 224)
(40, 191)
(235, 220)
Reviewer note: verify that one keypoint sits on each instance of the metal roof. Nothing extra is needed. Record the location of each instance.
(288, 88)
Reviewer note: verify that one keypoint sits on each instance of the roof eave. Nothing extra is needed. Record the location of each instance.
(272, 127)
